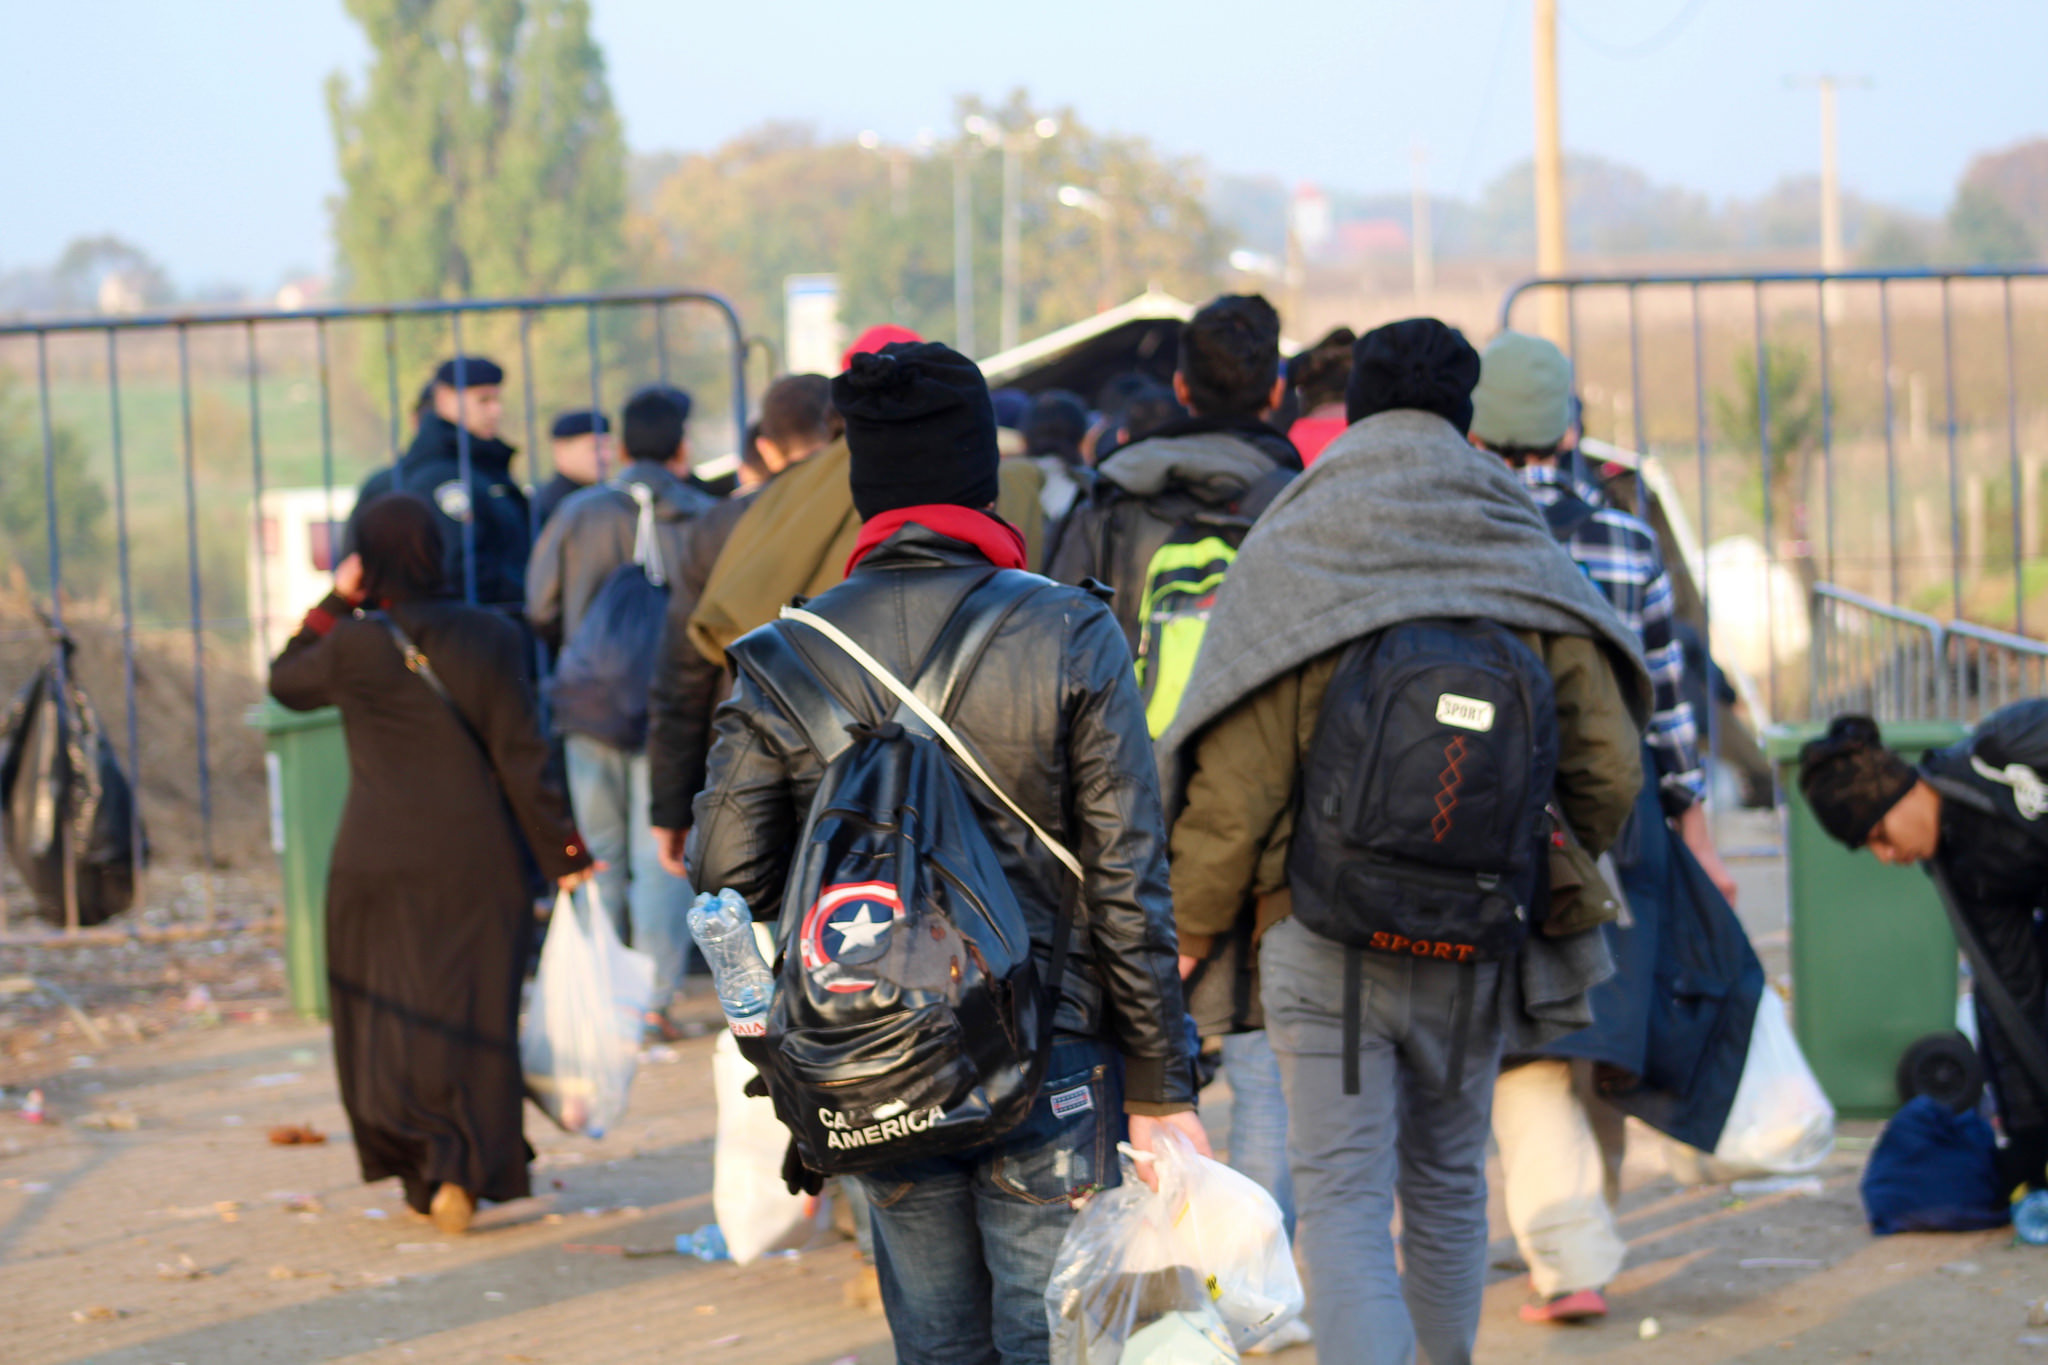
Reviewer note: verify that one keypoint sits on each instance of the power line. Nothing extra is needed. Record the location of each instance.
(1479, 126)
(1642, 47)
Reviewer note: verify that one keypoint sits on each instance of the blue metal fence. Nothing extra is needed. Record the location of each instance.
(625, 334)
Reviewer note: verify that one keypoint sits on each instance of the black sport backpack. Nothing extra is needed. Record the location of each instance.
(909, 1017)
(1422, 827)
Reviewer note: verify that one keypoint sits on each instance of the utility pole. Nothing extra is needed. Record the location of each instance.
(963, 253)
(1425, 260)
(1550, 244)
(1832, 256)
(1014, 144)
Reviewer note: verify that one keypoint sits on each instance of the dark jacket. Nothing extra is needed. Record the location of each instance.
(549, 497)
(492, 503)
(1996, 860)
(593, 534)
(1053, 710)
(687, 686)
(1203, 469)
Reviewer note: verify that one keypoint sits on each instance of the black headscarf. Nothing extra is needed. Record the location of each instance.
(399, 537)
(920, 428)
(1419, 363)
(1851, 780)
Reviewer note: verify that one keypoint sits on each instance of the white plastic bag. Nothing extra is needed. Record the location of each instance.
(1160, 1278)
(755, 1211)
(580, 1044)
(1781, 1122)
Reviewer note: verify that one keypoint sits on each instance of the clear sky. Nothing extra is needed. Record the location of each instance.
(199, 129)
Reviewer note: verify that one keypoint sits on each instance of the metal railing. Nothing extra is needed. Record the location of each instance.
(1823, 414)
(159, 391)
(1893, 664)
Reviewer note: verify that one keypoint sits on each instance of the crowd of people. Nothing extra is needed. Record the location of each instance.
(1400, 930)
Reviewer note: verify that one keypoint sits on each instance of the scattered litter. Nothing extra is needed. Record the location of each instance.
(32, 1107)
(185, 1269)
(1807, 1185)
(2033, 1339)
(548, 1159)
(705, 1310)
(1649, 1329)
(727, 1341)
(198, 999)
(285, 1272)
(494, 1295)
(303, 1203)
(551, 1218)
(706, 1244)
(609, 1249)
(83, 1063)
(31, 1186)
(304, 1056)
(1791, 1263)
(376, 1213)
(661, 1052)
(276, 1078)
(1961, 1268)
(2037, 1313)
(99, 1312)
(373, 1280)
(231, 1120)
(297, 1135)
(118, 1121)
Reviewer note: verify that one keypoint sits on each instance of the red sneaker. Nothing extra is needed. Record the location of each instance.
(1581, 1305)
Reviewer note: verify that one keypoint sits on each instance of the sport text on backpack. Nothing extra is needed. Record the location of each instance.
(600, 683)
(909, 1016)
(1422, 799)
(1181, 582)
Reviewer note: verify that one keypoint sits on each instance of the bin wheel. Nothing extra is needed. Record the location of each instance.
(1944, 1067)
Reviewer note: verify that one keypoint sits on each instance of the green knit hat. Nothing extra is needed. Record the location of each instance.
(1523, 401)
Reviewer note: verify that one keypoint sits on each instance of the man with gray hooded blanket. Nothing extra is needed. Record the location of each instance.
(1402, 671)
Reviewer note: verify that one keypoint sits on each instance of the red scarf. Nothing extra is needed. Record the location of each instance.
(994, 537)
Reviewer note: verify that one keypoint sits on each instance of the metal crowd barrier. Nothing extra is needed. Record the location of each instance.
(624, 337)
(1871, 343)
(1893, 664)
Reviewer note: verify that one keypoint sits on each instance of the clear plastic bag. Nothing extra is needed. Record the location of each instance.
(580, 1044)
(1781, 1122)
(755, 1210)
(1189, 1275)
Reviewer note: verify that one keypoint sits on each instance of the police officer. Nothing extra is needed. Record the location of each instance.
(466, 398)
(1976, 815)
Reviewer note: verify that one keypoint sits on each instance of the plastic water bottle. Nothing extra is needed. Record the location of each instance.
(706, 1244)
(2030, 1218)
(724, 929)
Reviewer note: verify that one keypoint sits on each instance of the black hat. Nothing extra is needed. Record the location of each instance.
(920, 427)
(476, 372)
(1851, 780)
(1419, 363)
(579, 424)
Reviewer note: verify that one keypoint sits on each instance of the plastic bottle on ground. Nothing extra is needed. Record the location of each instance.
(706, 1244)
(2030, 1219)
(724, 929)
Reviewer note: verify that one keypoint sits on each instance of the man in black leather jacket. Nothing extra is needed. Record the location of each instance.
(1976, 812)
(966, 1242)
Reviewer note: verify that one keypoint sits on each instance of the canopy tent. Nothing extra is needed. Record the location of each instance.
(1141, 335)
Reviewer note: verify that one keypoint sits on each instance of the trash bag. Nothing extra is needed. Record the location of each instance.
(63, 796)
(1193, 1273)
(1781, 1121)
(580, 1043)
(755, 1211)
(1934, 1170)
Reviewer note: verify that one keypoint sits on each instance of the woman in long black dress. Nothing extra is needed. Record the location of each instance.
(429, 914)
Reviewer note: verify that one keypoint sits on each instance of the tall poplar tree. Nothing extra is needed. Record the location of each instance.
(481, 157)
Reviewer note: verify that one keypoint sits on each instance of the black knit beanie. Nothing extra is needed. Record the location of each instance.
(920, 427)
(1851, 780)
(1419, 363)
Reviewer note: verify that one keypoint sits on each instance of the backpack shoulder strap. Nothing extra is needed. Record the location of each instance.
(1260, 495)
(779, 668)
(965, 637)
(935, 722)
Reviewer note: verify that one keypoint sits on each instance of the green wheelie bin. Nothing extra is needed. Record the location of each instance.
(1874, 967)
(306, 760)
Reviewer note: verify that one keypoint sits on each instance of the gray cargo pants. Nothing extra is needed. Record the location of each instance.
(1406, 1129)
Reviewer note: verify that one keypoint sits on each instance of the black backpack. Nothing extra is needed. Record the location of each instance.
(600, 683)
(909, 1016)
(1422, 825)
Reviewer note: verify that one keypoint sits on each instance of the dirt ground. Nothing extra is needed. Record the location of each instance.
(149, 1220)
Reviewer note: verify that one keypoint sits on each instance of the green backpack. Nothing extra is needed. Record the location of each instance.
(1181, 582)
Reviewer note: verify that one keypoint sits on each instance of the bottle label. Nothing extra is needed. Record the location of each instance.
(756, 1027)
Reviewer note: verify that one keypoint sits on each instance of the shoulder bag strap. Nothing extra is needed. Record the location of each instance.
(417, 664)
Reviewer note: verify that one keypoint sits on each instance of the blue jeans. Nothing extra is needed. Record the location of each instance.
(608, 791)
(1258, 1117)
(965, 1244)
